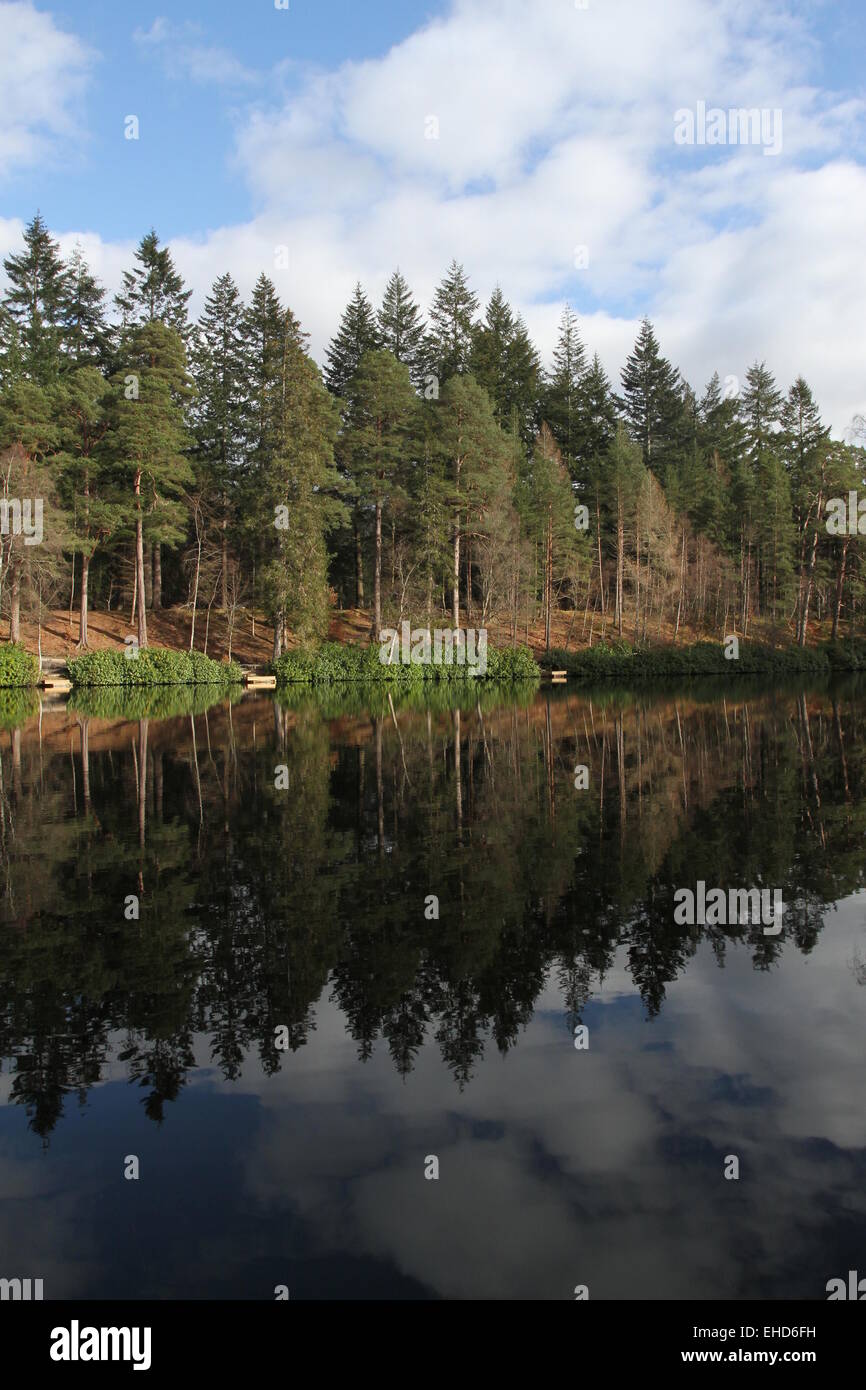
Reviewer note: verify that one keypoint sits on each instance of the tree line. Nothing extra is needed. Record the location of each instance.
(433, 468)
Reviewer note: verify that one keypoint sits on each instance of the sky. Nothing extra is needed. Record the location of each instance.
(538, 142)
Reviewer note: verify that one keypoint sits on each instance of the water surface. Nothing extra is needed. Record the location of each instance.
(284, 854)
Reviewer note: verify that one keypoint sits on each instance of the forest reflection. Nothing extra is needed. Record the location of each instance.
(256, 901)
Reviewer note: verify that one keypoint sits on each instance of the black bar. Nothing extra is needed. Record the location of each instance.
(256, 1338)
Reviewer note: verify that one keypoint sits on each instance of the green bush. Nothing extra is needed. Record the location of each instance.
(846, 654)
(337, 662)
(619, 659)
(153, 666)
(17, 666)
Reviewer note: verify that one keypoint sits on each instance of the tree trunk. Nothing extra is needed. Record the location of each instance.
(15, 604)
(455, 591)
(840, 582)
(682, 586)
(810, 577)
(148, 579)
(548, 577)
(157, 576)
(377, 574)
(224, 558)
(600, 566)
(468, 579)
(71, 594)
(620, 546)
(359, 566)
(82, 602)
(139, 565)
(195, 592)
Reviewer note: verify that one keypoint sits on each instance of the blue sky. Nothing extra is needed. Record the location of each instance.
(308, 128)
(188, 125)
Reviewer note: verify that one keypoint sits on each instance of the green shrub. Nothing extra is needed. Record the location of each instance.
(507, 664)
(337, 662)
(619, 659)
(846, 654)
(17, 666)
(152, 666)
(98, 668)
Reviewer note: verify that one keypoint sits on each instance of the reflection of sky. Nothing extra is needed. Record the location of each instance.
(557, 1167)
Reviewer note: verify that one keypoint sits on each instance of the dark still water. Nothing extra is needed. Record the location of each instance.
(284, 858)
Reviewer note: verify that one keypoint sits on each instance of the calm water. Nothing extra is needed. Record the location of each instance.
(301, 908)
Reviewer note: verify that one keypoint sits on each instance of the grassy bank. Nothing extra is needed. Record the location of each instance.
(335, 662)
(152, 666)
(620, 660)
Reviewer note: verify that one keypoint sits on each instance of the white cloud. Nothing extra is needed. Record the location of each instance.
(556, 130)
(182, 55)
(43, 75)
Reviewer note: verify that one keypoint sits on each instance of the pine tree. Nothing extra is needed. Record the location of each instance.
(358, 333)
(505, 363)
(375, 443)
(88, 487)
(491, 341)
(401, 327)
(37, 291)
(651, 400)
(28, 439)
(623, 480)
(153, 290)
(760, 411)
(302, 479)
(265, 327)
(149, 438)
(85, 331)
(561, 396)
(803, 434)
(221, 416)
(524, 380)
(593, 423)
(720, 454)
(761, 492)
(290, 496)
(472, 450)
(448, 347)
(596, 423)
(546, 501)
(11, 351)
(805, 450)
